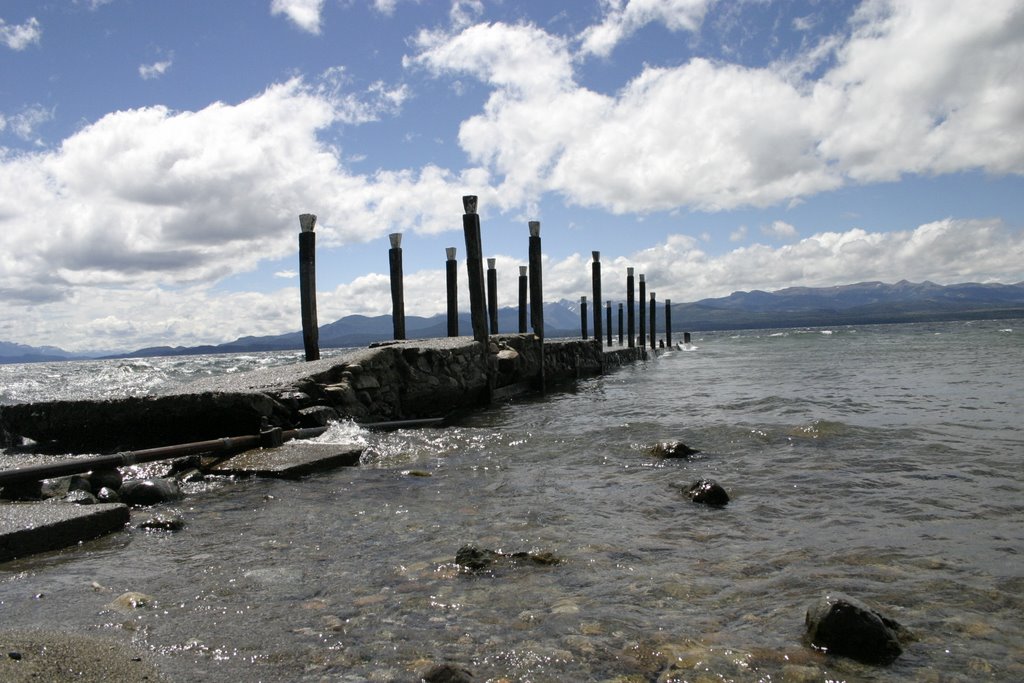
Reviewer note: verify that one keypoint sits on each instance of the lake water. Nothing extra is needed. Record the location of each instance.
(882, 461)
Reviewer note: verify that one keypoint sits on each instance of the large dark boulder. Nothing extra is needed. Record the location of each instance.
(841, 625)
(149, 491)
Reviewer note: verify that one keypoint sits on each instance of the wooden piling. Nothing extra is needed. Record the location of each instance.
(475, 268)
(397, 286)
(523, 285)
(595, 271)
(668, 322)
(654, 331)
(492, 294)
(537, 295)
(642, 301)
(452, 281)
(686, 337)
(630, 310)
(608, 321)
(307, 286)
(583, 317)
(620, 323)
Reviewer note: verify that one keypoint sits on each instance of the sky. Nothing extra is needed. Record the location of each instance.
(155, 155)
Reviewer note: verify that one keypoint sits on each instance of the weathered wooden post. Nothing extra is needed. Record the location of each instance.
(475, 268)
(397, 287)
(583, 317)
(620, 323)
(307, 285)
(523, 284)
(654, 331)
(686, 337)
(643, 312)
(630, 310)
(492, 294)
(608, 320)
(452, 281)
(668, 322)
(537, 294)
(595, 270)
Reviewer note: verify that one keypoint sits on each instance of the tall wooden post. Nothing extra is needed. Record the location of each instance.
(583, 317)
(630, 309)
(642, 328)
(307, 286)
(620, 323)
(475, 268)
(452, 281)
(668, 322)
(397, 286)
(595, 270)
(492, 294)
(654, 331)
(523, 284)
(608, 321)
(537, 294)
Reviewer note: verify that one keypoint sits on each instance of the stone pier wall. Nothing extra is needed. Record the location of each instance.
(391, 381)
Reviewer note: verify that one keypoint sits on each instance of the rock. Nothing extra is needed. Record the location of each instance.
(841, 625)
(318, 416)
(191, 476)
(672, 449)
(109, 478)
(708, 492)
(126, 602)
(149, 491)
(80, 497)
(507, 361)
(107, 495)
(163, 522)
(29, 490)
(446, 673)
(475, 559)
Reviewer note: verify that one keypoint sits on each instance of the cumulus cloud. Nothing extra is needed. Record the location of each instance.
(154, 70)
(20, 36)
(913, 89)
(780, 230)
(152, 197)
(621, 21)
(26, 122)
(303, 13)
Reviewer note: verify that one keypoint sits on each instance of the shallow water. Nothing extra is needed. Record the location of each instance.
(883, 461)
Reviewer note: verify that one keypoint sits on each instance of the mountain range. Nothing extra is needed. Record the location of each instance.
(861, 303)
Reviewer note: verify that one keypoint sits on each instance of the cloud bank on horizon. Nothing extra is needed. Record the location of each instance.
(714, 146)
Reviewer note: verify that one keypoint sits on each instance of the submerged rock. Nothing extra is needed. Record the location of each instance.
(473, 558)
(708, 492)
(841, 625)
(446, 673)
(672, 449)
(110, 478)
(163, 522)
(149, 491)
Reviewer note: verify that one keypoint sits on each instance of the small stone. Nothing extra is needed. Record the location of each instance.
(672, 449)
(16, 656)
(107, 495)
(708, 492)
(474, 558)
(149, 491)
(80, 497)
(131, 600)
(446, 673)
(163, 522)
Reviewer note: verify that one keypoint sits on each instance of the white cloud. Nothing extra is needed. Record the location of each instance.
(20, 36)
(621, 21)
(25, 123)
(780, 230)
(303, 13)
(914, 89)
(739, 234)
(150, 197)
(155, 70)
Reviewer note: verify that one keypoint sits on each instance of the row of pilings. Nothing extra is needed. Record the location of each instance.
(483, 297)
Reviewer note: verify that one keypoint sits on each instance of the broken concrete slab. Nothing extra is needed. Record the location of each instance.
(27, 528)
(292, 460)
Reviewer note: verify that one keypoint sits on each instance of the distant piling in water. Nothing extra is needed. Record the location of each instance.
(595, 274)
(668, 322)
(630, 309)
(642, 323)
(523, 292)
(537, 294)
(583, 317)
(492, 294)
(307, 286)
(654, 325)
(452, 284)
(608, 321)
